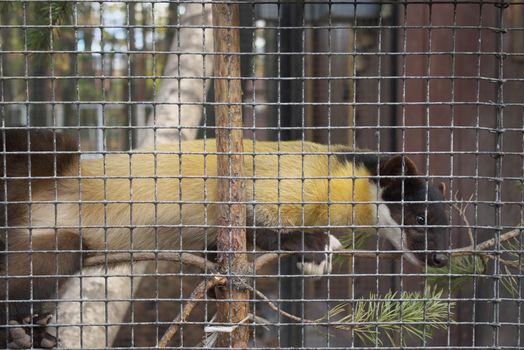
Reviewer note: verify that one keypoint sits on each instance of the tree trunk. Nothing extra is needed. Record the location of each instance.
(231, 237)
(178, 104)
(86, 319)
(87, 313)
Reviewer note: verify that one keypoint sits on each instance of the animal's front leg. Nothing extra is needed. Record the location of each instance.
(317, 247)
(32, 269)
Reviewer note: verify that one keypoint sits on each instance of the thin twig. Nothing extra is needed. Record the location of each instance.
(267, 258)
(490, 243)
(287, 314)
(513, 264)
(199, 292)
(478, 249)
(197, 295)
(118, 258)
(461, 209)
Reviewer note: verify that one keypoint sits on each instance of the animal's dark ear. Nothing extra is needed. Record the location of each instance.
(442, 188)
(397, 166)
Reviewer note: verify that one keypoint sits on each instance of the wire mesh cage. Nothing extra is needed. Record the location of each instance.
(261, 174)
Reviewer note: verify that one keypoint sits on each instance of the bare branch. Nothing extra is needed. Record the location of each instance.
(490, 243)
(197, 295)
(461, 209)
(200, 291)
(117, 258)
(291, 316)
(267, 258)
(479, 249)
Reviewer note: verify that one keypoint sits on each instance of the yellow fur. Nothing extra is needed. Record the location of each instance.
(140, 201)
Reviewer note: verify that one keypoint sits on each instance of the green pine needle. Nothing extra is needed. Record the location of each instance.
(415, 314)
(510, 283)
(5, 5)
(349, 243)
(513, 247)
(359, 241)
(459, 273)
(55, 14)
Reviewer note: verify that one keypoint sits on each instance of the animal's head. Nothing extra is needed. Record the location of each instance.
(413, 212)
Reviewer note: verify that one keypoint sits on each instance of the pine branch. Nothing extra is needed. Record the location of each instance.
(53, 15)
(490, 243)
(414, 313)
(469, 262)
(5, 6)
(417, 315)
(459, 273)
(355, 241)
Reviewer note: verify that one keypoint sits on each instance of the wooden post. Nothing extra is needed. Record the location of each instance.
(231, 214)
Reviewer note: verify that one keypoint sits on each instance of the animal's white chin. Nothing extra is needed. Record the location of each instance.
(412, 258)
(392, 232)
(398, 239)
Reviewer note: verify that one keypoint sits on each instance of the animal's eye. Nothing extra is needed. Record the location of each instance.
(421, 220)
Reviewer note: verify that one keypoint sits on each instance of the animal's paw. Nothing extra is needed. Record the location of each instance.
(320, 263)
(31, 332)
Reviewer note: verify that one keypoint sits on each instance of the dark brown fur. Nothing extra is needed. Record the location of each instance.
(32, 267)
(53, 258)
(401, 181)
(421, 199)
(29, 160)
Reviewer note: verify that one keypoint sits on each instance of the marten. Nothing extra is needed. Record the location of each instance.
(57, 209)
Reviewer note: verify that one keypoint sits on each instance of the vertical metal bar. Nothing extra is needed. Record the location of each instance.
(291, 15)
(231, 237)
(394, 98)
(291, 116)
(100, 128)
(498, 154)
(291, 67)
(452, 184)
(155, 170)
(3, 193)
(393, 83)
(205, 91)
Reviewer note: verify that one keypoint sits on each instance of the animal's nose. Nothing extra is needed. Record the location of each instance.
(438, 260)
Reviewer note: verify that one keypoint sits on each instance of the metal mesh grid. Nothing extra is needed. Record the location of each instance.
(438, 82)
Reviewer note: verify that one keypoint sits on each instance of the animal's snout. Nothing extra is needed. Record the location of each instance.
(437, 260)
